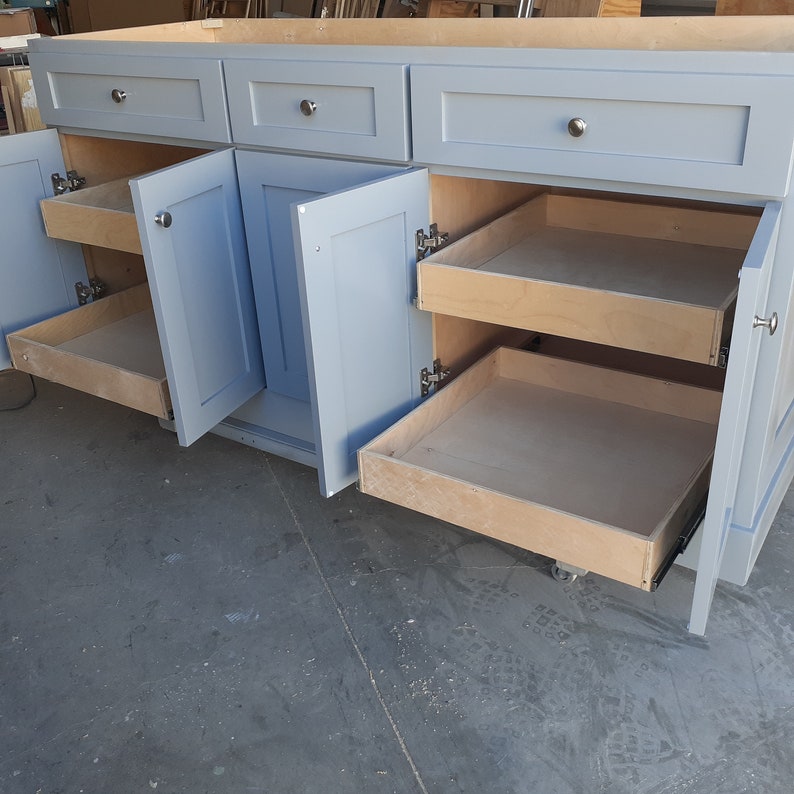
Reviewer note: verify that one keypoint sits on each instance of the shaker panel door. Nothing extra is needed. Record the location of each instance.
(269, 185)
(366, 340)
(191, 225)
(742, 371)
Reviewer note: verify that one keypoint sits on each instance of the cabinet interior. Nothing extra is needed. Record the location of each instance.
(109, 347)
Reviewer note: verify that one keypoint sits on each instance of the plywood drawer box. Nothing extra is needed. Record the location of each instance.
(657, 279)
(102, 215)
(593, 466)
(109, 348)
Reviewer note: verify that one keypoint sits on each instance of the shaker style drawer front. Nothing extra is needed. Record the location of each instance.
(357, 109)
(652, 278)
(720, 131)
(595, 467)
(173, 97)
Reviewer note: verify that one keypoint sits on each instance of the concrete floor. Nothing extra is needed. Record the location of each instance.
(201, 620)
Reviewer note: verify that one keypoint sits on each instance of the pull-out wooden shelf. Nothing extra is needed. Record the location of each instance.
(102, 215)
(109, 348)
(595, 467)
(657, 279)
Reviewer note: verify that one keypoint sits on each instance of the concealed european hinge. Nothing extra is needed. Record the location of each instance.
(425, 243)
(722, 357)
(95, 289)
(428, 379)
(73, 181)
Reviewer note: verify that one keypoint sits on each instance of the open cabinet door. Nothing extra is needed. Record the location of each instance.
(366, 342)
(37, 273)
(191, 226)
(746, 341)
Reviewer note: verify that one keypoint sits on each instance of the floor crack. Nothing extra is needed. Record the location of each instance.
(350, 635)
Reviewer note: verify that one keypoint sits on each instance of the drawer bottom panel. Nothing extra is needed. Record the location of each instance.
(597, 468)
(109, 348)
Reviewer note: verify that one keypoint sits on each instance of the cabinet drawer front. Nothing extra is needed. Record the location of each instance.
(720, 132)
(156, 96)
(355, 109)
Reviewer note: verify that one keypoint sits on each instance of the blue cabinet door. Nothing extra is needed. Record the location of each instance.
(37, 274)
(191, 226)
(269, 185)
(366, 342)
(735, 412)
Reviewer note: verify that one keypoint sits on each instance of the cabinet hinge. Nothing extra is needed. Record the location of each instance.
(722, 357)
(426, 243)
(95, 289)
(72, 181)
(428, 379)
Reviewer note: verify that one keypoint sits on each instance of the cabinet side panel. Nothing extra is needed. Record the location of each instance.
(37, 274)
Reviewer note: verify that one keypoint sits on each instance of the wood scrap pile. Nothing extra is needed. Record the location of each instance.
(19, 99)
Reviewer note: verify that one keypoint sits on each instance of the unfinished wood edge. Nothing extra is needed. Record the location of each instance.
(189, 31)
(604, 550)
(627, 33)
(84, 319)
(696, 403)
(684, 224)
(666, 328)
(9, 108)
(482, 245)
(131, 389)
(106, 228)
(666, 534)
(402, 436)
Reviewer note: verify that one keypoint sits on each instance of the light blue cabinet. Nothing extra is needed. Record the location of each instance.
(37, 274)
(366, 341)
(330, 317)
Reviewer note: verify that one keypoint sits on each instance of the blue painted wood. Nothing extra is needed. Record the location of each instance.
(361, 109)
(269, 185)
(721, 132)
(37, 274)
(201, 289)
(367, 342)
(177, 97)
(735, 412)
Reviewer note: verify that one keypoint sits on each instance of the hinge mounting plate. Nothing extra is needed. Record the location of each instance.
(426, 243)
(95, 289)
(428, 379)
(722, 357)
(72, 181)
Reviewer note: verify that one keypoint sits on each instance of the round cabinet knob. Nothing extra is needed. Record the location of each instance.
(308, 107)
(163, 219)
(577, 127)
(118, 96)
(769, 323)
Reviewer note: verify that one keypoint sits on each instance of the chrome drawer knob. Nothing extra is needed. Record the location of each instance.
(163, 219)
(770, 323)
(308, 107)
(577, 127)
(118, 96)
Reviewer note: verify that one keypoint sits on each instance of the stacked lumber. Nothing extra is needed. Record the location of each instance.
(19, 99)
